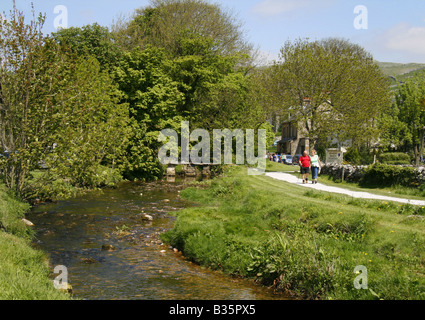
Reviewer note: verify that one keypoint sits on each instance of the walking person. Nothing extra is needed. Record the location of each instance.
(305, 164)
(315, 166)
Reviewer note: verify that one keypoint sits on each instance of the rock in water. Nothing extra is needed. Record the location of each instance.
(108, 247)
(28, 223)
(147, 217)
(89, 260)
(66, 288)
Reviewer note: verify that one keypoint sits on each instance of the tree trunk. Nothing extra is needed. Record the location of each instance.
(422, 148)
(417, 155)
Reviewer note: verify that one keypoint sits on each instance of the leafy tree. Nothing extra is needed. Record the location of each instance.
(57, 110)
(153, 98)
(395, 134)
(19, 123)
(332, 87)
(165, 22)
(405, 123)
(92, 40)
(94, 131)
(214, 87)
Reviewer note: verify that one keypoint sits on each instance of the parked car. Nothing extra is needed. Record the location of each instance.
(288, 160)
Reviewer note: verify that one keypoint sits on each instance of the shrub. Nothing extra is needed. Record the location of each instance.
(388, 175)
(358, 156)
(352, 156)
(394, 158)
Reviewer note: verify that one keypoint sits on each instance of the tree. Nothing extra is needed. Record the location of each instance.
(93, 40)
(165, 22)
(153, 97)
(332, 87)
(405, 124)
(57, 110)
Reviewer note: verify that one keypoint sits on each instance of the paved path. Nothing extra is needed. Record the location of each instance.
(355, 194)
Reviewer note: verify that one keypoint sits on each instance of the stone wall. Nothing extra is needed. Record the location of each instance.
(351, 173)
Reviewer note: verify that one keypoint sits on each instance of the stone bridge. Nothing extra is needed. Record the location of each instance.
(190, 169)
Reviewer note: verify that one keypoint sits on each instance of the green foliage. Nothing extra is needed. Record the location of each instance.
(394, 158)
(353, 156)
(93, 40)
(59, 111)
(153, 98)
(359, 156)
(403, 126)
(216, 92)
(164, 23)
(199, 85)
(389, 175)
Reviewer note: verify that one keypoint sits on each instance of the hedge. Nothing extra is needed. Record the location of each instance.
(387, 175)
(394, 158)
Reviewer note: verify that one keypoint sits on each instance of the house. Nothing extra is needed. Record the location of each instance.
(294, 140)
(294, 136)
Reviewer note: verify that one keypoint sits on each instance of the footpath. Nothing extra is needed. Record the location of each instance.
(355, 194)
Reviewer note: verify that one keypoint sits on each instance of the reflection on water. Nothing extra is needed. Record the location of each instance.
(139, 266)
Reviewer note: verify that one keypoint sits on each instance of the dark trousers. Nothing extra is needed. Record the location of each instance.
(314, 172)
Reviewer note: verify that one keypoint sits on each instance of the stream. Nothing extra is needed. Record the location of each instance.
(140, 266)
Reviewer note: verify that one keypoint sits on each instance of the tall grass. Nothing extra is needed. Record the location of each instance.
(24, 271)
(306, 243)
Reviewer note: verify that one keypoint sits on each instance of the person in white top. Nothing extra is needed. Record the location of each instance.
(315, 165)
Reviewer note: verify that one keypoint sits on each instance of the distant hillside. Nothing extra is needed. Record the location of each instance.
(400, 71)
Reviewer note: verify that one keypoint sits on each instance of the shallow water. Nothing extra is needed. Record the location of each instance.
(73, 232)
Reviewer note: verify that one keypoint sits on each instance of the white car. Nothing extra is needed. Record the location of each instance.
(288, 160)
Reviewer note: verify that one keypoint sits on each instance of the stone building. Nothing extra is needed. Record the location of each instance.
(294, 141)
(294, 135)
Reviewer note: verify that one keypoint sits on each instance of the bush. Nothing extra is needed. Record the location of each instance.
(361, 156)
(388, 175)
(395, 158)
(353, 156)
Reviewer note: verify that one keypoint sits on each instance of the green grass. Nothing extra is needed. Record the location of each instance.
(279, 167)
(24, 271)
(303, 242)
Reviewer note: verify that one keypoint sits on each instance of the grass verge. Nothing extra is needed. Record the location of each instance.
(24, 271)
(303, 242)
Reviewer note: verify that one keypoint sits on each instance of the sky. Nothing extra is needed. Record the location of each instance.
(391, 30)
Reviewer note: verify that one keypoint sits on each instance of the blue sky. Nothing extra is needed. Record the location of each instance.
(395, 29)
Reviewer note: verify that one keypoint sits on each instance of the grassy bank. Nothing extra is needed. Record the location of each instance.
(24, 271)
(303, 242)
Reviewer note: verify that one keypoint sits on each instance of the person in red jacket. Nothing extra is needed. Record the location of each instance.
(305, 164)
